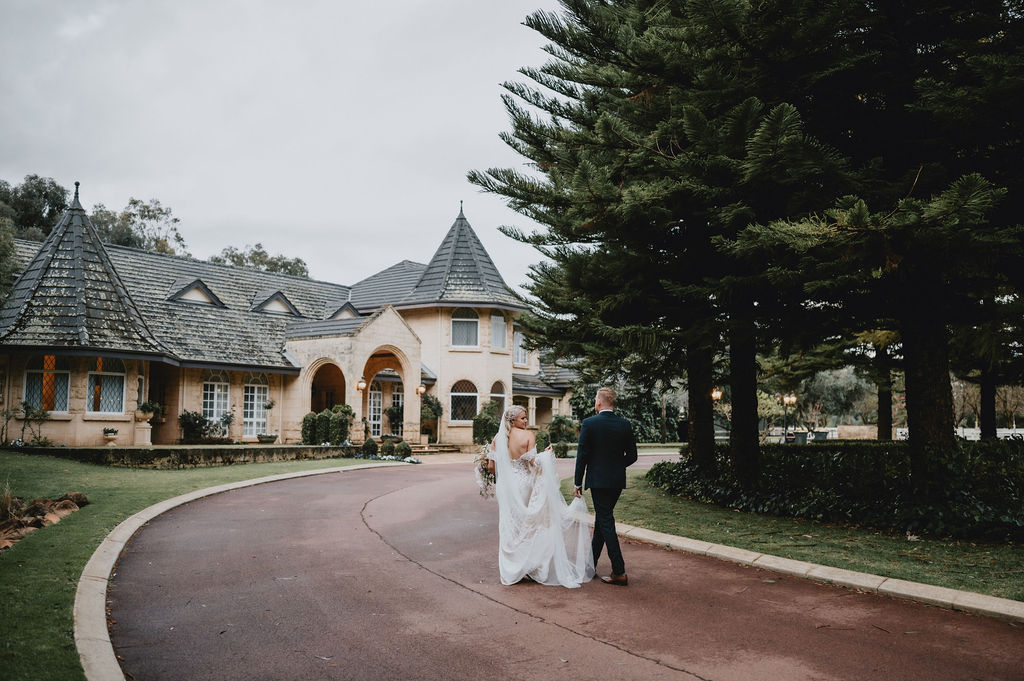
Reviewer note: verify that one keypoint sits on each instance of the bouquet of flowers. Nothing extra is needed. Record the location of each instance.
(484, 478)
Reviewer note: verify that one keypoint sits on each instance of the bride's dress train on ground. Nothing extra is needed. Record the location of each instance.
(540, 536)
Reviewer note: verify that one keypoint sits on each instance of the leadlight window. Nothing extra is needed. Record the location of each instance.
(499, 331)
(518, 341)
(498, 395)
(465, 328)
(105, 392)
(463, 401)
(46, 383)
(255, 394)
(216, 398)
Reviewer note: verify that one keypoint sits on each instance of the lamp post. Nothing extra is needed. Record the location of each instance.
(716, 395)
(787, 400)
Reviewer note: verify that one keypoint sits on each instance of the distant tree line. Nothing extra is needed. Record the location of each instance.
(31, 209)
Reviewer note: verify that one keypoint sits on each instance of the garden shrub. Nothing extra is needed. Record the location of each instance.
(561, 449)
(369, 448)
(388, 448)
(976, 491)
(563, 429)
(309, 429)
(323, 427)
(341, 423)
(194, 426)
(486, 423)
(403, 450)
(543, 440)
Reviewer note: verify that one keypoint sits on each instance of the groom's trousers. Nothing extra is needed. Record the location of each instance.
(604, 527)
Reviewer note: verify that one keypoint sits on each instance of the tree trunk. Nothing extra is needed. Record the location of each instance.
(883, 379)
(987, 418)
(699, 407)
(929, 393)
(664, 420)
(744, 440)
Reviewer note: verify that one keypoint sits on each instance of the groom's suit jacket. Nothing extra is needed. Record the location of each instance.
(606, 447)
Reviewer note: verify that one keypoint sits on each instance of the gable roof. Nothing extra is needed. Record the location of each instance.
(71, 296)
(460, 273)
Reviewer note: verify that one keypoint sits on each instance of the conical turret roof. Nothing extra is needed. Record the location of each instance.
(461, 272)
(70, 296)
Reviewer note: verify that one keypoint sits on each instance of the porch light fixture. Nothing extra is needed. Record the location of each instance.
(716, 394)
(420, 389)
(361, 385)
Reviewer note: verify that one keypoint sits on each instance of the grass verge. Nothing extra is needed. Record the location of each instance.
(39, 574)
(994, 569)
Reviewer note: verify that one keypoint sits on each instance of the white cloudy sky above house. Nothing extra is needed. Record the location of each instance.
(337, 132)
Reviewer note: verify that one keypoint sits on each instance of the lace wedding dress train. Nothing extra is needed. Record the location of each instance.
(539, 535)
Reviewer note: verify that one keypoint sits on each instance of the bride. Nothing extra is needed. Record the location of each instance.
(540, 536)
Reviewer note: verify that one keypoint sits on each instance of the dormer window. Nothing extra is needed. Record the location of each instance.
(193, 291)
(273, 302)
(346, 311)
(465, 328)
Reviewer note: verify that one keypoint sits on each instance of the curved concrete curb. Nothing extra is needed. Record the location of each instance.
(92, 637)
(952, 599)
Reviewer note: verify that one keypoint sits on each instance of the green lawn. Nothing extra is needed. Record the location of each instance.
(39, 575)
(994, 569)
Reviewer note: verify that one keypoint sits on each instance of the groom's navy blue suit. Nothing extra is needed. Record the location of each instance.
(606, 447)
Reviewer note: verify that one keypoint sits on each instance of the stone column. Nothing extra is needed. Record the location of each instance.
(532, 411)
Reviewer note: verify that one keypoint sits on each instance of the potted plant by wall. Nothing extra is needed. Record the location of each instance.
(148, 410)
(110, 435)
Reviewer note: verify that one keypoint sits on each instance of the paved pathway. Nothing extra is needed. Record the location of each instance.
(392, 574)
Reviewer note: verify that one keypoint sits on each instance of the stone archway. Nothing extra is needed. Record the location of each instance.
(390, 381)
(327, 387)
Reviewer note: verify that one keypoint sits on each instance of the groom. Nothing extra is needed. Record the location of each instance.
(606, 447)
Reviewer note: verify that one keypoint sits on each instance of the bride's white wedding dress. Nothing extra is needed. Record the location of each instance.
(539, 535)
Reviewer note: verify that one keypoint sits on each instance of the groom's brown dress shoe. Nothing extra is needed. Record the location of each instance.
(618, 580)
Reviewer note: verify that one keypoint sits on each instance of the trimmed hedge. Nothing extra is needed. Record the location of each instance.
(977, 491)
(188, 457)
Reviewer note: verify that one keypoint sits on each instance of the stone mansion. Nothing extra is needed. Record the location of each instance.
(91, 331)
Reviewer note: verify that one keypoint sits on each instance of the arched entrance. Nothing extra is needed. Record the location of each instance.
(327, 388)
(388, 391)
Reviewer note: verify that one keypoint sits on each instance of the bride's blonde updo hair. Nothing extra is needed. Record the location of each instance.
(512, 413)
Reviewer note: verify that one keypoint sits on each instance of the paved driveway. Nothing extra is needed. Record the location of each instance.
(392, 574)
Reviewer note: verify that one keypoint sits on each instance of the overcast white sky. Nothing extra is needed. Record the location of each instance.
(337, 132)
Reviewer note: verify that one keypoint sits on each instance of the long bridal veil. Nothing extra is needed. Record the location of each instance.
(540, 536)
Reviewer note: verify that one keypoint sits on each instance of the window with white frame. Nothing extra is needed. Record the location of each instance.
(46, 383)
(498, 395)
(255, 394)
(376, 408)
(499, 331)
(105, 392)
(465, 328)
(216, 398)
(463, 401)
(518, 342)
(397, 400)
